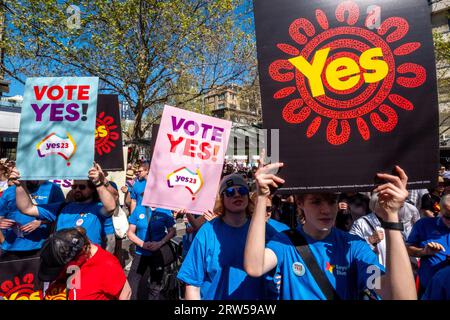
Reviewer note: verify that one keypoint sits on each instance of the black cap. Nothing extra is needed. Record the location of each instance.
(58, 250)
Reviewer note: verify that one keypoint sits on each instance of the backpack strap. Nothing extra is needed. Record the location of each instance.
(368, 222)
(319, 276)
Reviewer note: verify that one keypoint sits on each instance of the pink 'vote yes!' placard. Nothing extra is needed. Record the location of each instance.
(187, 161)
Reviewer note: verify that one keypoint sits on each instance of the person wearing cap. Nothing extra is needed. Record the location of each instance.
(92, 207)
(430, 201)
(429, 240)
(98, 274)
(349, 268)
(213, 268)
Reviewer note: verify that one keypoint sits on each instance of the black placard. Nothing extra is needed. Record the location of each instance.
(108, 140)
(357, 118)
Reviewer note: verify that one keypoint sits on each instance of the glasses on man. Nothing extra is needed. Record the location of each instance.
(231, 191)
(79, 186)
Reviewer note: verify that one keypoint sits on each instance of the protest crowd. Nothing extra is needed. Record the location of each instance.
(349, 96)
(245, 249)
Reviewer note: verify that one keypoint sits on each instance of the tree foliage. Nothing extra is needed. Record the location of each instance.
(150, 52)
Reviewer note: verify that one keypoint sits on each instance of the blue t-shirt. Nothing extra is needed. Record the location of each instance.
(160, 220)
(439, 287)
(47, 192)
(76, 214)
(137, 192)
(430, 230)
(346, 260)
(273, 227)
(215, 263)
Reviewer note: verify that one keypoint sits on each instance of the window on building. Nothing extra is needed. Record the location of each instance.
(221, 106)
(222, 97)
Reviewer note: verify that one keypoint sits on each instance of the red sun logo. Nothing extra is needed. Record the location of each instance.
(106, 134)
(358, 71)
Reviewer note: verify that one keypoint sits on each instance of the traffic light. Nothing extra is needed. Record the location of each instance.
(4, 86)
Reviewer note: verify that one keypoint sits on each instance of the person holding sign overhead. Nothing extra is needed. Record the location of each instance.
(91, 208)
(316, 261)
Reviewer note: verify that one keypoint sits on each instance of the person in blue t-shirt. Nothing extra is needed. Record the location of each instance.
(439, 286)
(91, 208)
(347, 262)
(148, 261)
(137, 191)
(25, 234)
(429, 240)
(213, 268)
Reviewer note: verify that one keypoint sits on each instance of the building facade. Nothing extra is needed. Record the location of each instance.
(233, 104)
(10, 109)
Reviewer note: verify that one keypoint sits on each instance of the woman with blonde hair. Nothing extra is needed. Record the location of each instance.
(213, 268)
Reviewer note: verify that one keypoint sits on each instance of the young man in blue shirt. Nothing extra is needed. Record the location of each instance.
(429, 240)
(25, 235)
(91, 209)
(137, 191)
(349, 265)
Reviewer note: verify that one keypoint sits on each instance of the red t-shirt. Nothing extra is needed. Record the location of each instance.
(101, 278)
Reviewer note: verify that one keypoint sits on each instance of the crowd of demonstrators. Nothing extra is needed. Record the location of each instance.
(247, 248)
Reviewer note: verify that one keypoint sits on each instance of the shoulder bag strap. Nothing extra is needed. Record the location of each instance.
(319, 276)
(368, 222)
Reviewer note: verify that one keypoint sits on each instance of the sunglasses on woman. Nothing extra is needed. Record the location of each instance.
(231, 191)
(79, 186)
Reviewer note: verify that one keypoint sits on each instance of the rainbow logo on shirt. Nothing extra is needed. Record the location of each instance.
(329, 267)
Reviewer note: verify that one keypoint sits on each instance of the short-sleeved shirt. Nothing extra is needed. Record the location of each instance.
(439, 286)
(215, 264)
(15, 240)
(160, 220)
(137, 191)
(347, 261)
(75, 214)
(430, 230)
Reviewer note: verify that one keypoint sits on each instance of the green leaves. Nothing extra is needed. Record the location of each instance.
(150, 52)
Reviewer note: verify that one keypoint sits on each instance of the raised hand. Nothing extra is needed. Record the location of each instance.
(265, 178)
(391, 195)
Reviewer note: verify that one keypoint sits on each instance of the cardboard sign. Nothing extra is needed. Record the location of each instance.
(57, 127)
(352, 87)
(108, 133)
(187, 161)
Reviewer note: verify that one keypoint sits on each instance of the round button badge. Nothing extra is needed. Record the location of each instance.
(298, 268)
(141, 216)
(79, 222)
